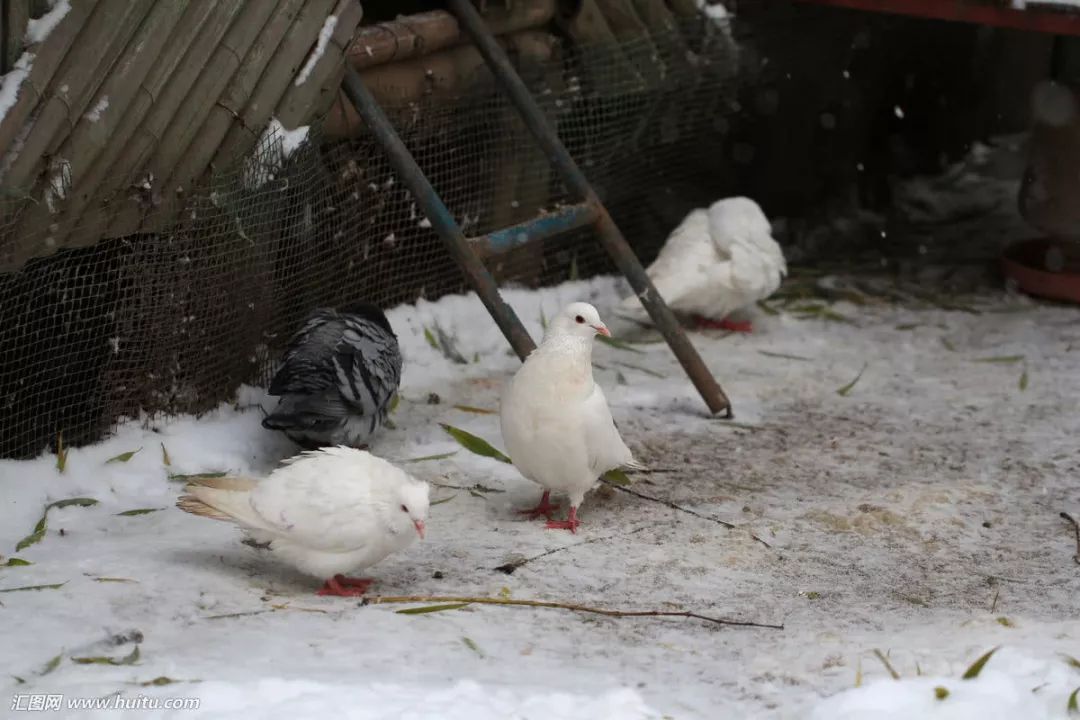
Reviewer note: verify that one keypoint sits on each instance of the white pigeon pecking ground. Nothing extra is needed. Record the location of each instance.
(718, 261)
(917, 514)
(326, 512)
(555, 419)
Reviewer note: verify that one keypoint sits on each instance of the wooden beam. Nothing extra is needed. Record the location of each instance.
(1033, 19)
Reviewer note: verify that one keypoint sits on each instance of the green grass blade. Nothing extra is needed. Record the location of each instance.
(425, 458)
(617, 477)
(888, 665)
(472, 646)
(475, 410)
(52, 664)
(176, 477)
(784, 356)
(78, 501)
(42, 525)
(843, 392)
(977, 666)
(101, 660)
(431, 608)
(34, 587)
(122, 457)
(474, 444)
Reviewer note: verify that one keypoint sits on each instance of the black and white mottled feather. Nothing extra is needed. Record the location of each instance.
(337, 378)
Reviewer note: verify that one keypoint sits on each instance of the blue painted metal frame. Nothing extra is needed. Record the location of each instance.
(607, 232)
(436, 212)
(563, 220)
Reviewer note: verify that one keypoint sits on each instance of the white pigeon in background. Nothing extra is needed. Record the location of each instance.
(717, 261)
(555, 420)
(327, 512)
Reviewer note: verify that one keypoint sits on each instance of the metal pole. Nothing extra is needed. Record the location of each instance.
(610, 236)
(437, 213)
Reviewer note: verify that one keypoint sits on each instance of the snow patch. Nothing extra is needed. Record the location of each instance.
(95, 113)
(875, 518)
(274, 147)
(715, 10)
(1013, 684)
(466, 700)
(320, 47)
(39, 29)
(12, 81)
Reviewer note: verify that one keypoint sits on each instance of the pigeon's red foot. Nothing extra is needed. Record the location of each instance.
(545, 507)
(730, 325)
(342, 586)
(570, 523)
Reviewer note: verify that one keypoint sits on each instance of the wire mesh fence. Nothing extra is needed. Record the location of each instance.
(174, 317)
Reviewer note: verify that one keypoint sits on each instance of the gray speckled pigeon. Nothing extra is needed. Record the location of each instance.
(337, 378)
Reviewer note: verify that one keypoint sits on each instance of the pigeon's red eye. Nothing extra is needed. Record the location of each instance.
(404, 509)
(580, 319)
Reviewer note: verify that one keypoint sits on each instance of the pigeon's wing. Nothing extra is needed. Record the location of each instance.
(321, 501)
(367, 365)
(756, 266)
(606, 449)
(307, 365)
(754, 274)
(679, 270)
(318, 412)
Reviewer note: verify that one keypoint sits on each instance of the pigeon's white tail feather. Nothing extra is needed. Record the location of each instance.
(635, 465)
(224, 498)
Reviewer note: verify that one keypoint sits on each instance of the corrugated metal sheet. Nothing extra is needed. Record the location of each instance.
(126, 92)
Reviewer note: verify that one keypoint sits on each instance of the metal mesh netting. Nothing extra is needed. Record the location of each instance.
(173, 321)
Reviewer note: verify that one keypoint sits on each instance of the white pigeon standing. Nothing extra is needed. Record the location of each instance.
(328, 512)
(555, 420)
(717, 261)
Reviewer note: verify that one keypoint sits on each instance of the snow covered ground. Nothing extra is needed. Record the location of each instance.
(916, 515)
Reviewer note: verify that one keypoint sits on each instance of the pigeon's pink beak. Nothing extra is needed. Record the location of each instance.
(419, 528)
(602, 329)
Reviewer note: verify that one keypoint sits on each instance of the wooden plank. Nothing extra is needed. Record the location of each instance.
(93, 131)
(1043, 19)
(411, 36)
(170, 132)
(233, 99)
(81, 72)
(77, 79)
(47, 58)
(302, 103)
(277, 76)
(102, 178)
(16, 16)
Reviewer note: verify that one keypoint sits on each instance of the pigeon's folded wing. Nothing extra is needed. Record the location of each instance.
(367, 365)
(606, 449)
(306, 366)
(316, 510)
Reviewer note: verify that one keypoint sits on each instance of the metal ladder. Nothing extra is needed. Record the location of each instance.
(589, 211)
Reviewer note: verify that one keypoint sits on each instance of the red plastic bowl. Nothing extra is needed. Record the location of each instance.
(1044, 267)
